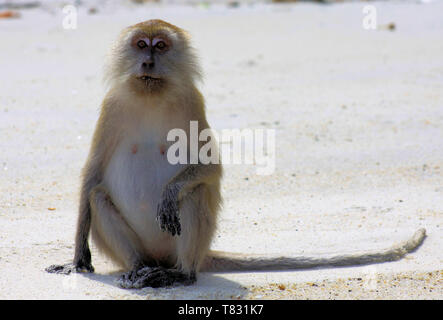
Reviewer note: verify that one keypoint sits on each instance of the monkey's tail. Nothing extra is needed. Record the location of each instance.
(218, 261)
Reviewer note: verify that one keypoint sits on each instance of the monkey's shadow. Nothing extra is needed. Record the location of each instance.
(208, 286)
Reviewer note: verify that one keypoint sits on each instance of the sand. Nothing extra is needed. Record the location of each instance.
(358, 116)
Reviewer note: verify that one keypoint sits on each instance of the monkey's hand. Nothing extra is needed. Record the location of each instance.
(70, 268)
(167, 210)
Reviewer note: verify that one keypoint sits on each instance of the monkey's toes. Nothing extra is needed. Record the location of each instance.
(157, 278)
(85, 268)
(61, 269)
(160, 277)
(127, 279)
(69, 268)
(154, 277)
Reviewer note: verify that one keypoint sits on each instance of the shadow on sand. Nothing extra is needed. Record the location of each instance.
(208, 286)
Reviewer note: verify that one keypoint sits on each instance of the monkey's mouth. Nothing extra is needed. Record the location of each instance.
(150, 83)
(149, 78)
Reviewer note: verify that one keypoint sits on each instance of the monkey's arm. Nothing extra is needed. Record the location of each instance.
(82, 255)
(178, 187)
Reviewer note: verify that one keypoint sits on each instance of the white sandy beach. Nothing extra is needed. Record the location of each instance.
(359, 154)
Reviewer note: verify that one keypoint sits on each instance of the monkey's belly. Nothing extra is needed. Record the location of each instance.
(135, 178)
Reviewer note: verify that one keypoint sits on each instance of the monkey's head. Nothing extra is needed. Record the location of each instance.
(151, 56)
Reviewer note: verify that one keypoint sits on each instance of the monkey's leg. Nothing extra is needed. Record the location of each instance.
(198, 225)
(112, 234)
(198, 221)
(115, 237)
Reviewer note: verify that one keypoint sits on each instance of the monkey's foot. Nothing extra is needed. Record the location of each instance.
(154, 277)
(167, 212)
(69, 268)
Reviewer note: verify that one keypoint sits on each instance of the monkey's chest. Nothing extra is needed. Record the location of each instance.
(136, 176)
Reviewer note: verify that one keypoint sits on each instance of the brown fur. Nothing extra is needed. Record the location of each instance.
(133, 123)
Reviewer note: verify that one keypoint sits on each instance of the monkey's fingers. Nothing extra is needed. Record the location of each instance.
(173, 225)
(177, 225)
(162, 217)
(167, 217)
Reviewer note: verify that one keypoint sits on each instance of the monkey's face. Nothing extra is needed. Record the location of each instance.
(152, 56)
(151, 66)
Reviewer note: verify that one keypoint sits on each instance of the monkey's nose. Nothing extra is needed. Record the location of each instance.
(148, 64)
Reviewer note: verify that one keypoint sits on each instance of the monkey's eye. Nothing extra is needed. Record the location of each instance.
(141, 44)
(160, 45)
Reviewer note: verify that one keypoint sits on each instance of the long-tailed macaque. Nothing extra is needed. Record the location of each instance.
(154, 218)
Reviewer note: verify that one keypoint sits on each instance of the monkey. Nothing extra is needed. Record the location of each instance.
(153, 218)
